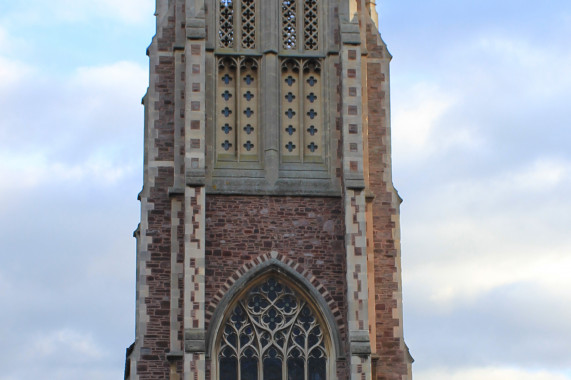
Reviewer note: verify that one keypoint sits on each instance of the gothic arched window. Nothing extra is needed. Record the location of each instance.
(272, 333)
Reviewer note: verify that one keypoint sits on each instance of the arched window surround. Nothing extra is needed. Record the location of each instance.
(300, 285)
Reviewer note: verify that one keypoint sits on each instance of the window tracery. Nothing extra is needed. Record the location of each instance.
(229, 23)
(301, 108)
(289, 23)
(272, 334)
(226, 23)
(237, 109)
(302, 18)
(248, 24)
(310, 25)
(301, 112)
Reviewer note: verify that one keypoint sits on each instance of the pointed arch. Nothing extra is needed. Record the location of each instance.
(291, 277)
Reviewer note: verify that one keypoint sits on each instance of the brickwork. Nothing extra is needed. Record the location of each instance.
(392, 355)
(154, 251)
(306, 234)
(244, 230)
(257, 262)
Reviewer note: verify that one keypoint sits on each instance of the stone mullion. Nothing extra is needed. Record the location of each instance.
(239, 110)
(301, 112)
(269, 138)
(299, 29)
(237, 25)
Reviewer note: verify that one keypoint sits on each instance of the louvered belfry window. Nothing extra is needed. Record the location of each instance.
(300, 25)
(237, 24)
(272, 333)
(301, 108)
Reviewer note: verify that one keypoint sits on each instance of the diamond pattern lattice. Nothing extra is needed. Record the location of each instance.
(310, 25)
(289, 19)
(226, 24)
(248, 24)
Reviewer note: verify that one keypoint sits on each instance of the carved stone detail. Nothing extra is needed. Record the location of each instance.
(226, 23)
(237, 111)
(301, 111)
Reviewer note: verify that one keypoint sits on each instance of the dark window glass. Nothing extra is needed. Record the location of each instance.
(316, 368)
(249, 368)
(272, 334)
(295, 369)
(272, 369)
(228, 369)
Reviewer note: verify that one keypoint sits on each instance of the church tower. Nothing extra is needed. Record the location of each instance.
(269, 244)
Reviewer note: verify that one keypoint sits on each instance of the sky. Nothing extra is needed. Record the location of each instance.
(481, 116)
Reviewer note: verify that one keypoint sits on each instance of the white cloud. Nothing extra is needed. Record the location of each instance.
(417, 117)
(40, 12)
(490, 373)
(83, 130)
(79, 345)
(538, 71)
(420, 127)
(120, 75)
(472, 236)
(4, 43)
(544, 174)
(483, 98)
(28, 172)
(128, 10)
(68, 373)
(11, 73)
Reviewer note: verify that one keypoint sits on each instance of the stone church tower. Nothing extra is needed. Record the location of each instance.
(269, 244)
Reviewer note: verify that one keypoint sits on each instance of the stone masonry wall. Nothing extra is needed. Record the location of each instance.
(155, 256)
(391, 363)
(307, 231)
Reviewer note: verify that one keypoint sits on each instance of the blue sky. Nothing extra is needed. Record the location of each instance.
(480, 115)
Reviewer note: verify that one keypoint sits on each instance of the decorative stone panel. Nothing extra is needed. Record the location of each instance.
(300, 25)
(237, 110)
(301, 111)
(237, 20)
